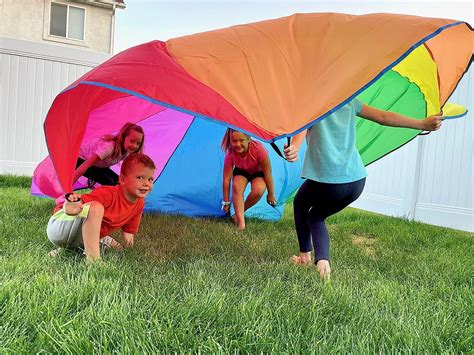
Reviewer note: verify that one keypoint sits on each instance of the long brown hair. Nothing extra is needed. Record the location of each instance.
(119, 139)
(225, 144)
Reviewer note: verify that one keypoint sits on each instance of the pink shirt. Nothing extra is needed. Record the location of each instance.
(103, 149)
(252, 159)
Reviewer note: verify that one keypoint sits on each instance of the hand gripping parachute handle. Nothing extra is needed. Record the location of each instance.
(277, 150)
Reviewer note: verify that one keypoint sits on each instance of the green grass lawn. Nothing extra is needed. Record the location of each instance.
(194, 285)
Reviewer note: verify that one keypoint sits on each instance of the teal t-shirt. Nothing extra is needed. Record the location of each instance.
(331, 155)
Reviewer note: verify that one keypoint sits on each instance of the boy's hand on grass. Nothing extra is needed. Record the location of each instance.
(126, 239)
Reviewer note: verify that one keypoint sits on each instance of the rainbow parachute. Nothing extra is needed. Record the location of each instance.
(270, 79)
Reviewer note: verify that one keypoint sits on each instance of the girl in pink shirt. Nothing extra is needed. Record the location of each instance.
(245, 161)
(96, 157)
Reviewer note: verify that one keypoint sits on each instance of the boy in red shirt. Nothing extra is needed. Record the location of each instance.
(82, 220)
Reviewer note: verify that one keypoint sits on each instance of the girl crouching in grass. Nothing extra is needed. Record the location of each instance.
(246, 161)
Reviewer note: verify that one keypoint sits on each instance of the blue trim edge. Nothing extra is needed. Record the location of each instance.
(457, 116)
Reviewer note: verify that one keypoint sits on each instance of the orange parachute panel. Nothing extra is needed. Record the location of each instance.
(449, 52)
(273, 72)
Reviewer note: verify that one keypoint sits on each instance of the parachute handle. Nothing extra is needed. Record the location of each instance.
(425, 133)
(277, 150)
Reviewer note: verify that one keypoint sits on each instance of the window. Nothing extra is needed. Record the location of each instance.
(67, 21)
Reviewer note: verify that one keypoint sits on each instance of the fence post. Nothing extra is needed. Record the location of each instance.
(410, 196)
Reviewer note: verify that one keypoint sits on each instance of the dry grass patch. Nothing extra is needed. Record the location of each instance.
(365, 244)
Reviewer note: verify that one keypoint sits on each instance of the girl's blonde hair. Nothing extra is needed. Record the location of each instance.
(225, 144)
(119, 139)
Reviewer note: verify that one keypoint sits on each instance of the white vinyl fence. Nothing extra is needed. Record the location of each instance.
(430, 179)
(32, 74)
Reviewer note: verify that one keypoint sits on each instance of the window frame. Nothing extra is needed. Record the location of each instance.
(83, 40)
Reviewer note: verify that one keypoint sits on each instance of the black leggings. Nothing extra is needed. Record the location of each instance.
(314, 202)
(104, 176)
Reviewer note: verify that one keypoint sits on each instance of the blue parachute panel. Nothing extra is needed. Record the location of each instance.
(191, 182)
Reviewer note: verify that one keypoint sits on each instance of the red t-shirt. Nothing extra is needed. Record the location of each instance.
(250, 162)
(118, 211)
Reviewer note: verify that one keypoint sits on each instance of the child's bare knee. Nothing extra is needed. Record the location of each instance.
(258, 191)
(236, 190)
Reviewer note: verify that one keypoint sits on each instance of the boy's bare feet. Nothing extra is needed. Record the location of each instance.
(108, 242)
(60, 251)
(55, 252)
(324, 269)
(303, 259)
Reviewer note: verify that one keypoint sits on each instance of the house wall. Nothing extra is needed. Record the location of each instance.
(429, 179)
(30, 19)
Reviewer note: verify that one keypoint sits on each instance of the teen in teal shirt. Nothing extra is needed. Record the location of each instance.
(334, 173)
(337, 160)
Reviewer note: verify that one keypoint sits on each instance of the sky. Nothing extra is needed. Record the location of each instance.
(146, 20)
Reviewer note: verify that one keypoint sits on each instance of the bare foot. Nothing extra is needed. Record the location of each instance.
(303, 259)
(108, 242)
(55, 252)
(324, 269)
(61, 251)
(240, 224)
